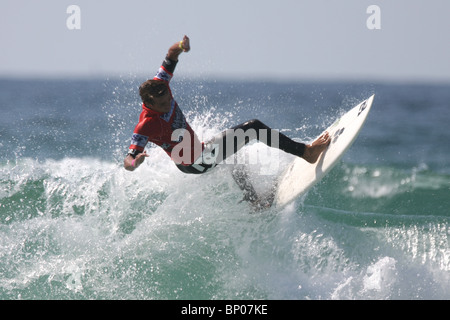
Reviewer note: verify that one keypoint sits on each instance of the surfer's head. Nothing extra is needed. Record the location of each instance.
(155, 95)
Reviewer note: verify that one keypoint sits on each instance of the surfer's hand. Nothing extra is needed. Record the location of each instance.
(185, 44)
(178, 47)
(313, 150)
(140, 158)
(131, 163)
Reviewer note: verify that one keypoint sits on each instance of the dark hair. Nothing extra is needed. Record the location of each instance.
(150, 89)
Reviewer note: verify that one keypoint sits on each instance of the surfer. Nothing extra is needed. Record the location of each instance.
(162, 122)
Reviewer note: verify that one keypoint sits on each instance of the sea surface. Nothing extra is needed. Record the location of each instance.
(75, 225)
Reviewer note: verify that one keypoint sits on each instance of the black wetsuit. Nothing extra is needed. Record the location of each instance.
(232, 140)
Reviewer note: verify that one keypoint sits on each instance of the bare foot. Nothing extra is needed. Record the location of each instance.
(313, 150)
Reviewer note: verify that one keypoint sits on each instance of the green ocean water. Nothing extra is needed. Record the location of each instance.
(75, 225)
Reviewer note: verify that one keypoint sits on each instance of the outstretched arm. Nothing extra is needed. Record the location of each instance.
(177, 48)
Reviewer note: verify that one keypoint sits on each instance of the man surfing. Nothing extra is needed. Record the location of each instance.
(162, 122)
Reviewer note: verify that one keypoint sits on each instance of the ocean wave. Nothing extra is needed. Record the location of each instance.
(416, 191)
(84, 228)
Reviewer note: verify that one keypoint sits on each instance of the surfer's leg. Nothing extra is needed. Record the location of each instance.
(283, 142)
(309, 152)
(233, 139)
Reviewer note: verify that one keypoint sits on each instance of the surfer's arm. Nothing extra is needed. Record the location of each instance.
(170, 62)
(131, 163)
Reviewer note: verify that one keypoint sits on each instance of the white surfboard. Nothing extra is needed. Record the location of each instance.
(301, 175)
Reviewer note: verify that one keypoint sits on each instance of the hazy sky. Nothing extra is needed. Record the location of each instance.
(304, 39)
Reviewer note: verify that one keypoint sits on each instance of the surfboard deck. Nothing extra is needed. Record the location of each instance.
(300, 175)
